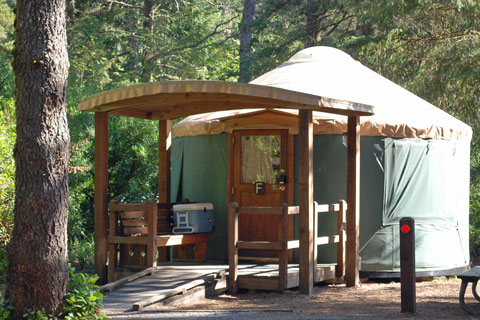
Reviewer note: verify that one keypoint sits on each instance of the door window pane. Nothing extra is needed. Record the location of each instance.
(260, 159)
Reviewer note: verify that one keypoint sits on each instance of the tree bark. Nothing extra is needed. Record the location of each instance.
(312, 27)
(37, 252)
(246, 41)
(149, 15)
(148, 24)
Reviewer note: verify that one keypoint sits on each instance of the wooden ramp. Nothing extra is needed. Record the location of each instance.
(169, 280)
(160, 283)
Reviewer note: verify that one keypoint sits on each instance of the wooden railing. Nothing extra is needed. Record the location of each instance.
(138, 230)
(283, 244)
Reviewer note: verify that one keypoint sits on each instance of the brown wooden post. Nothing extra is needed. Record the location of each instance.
(305, 192)
(101, 195)
(283, 254)
(164, 128)
(151, 208)
(340, 267)
(112, 252)
(353, 201)
(232, 247)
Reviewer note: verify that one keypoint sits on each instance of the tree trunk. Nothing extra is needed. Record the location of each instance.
(149, 15)
(148, 24)
(246, 41)
(312, 27)
(37, 252)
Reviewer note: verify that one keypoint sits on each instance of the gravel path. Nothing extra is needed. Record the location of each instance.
(436, 299)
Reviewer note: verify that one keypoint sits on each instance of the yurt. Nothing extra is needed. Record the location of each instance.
(414, 163)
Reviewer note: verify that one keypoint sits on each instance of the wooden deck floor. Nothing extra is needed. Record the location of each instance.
(170, 279)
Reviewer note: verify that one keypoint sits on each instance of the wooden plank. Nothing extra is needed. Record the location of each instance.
(353, 199)
(131, 214)
(135, 230)
(232, 248)
(258, 283)
(164, 128)
(293, 244)
(293, 210)
(127, 240)
(327, 208)
(324, 273)
(117, 284)
(162, 294)
(260, 210)
(179, 239)
(260, 245)
(305, 192)
(327, 240)
(340, 267)
(134, 222)
(190, 252)
(152, 234)
(101, 194)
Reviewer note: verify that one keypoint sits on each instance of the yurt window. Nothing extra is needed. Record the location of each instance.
(260, 158)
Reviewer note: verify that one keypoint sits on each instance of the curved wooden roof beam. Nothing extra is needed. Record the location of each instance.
(173, 99)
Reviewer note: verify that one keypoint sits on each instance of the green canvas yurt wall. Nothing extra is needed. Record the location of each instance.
(424, 179)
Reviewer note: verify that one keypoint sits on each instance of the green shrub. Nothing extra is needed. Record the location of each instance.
(83, 300)
(81, 254)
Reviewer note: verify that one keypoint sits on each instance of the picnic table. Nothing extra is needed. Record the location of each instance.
(473, 275)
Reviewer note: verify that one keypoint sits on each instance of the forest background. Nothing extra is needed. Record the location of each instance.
(430, 47)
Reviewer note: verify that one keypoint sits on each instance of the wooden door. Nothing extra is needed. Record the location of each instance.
(260, 156)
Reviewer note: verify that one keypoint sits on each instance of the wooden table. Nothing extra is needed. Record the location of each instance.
(473, 275)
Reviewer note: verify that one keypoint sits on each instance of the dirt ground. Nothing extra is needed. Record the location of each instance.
(436, 299)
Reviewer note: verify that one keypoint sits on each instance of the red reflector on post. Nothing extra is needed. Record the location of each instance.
(405, 229)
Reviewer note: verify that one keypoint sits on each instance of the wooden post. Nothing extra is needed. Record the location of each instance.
(353, 201)
(164, 128)
(151, 208)
(283, 254)
(101, 195)
(407, 264)
(112, 252)
(305, 192)
(232, 248)
(340, 267)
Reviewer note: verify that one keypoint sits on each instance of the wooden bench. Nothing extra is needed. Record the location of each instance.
(139, 230)
(473, 275)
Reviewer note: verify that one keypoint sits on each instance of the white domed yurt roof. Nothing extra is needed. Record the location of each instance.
(329, 72)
